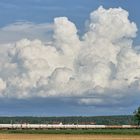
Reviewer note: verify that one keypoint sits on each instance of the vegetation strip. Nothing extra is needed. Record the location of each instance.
(93, 131)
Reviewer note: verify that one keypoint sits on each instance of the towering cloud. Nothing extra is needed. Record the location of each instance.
(100, 67)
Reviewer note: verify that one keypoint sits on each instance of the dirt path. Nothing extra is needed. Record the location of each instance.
(65, 137)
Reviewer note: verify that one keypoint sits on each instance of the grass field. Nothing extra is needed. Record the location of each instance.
(66, 137)
(75, 132)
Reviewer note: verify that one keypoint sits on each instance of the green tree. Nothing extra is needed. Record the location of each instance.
(137, 115)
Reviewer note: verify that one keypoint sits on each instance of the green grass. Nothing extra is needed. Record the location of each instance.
(93, 131)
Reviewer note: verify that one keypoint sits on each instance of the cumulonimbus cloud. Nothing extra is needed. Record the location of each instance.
(99, 67)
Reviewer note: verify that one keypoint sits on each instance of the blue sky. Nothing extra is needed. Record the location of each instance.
(44, 11)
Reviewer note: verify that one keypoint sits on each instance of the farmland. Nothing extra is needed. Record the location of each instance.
(66, 137)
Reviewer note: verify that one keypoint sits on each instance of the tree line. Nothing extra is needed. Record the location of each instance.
(104, 120)
(99, 120)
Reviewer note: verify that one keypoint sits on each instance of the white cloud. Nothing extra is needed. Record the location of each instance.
(100, 69)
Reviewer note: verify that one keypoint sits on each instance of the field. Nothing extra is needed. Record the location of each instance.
(66, 137)
(95, 134)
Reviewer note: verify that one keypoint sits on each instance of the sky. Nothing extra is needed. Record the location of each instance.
(69, 58)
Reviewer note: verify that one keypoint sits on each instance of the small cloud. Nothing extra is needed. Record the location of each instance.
(24, 29)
